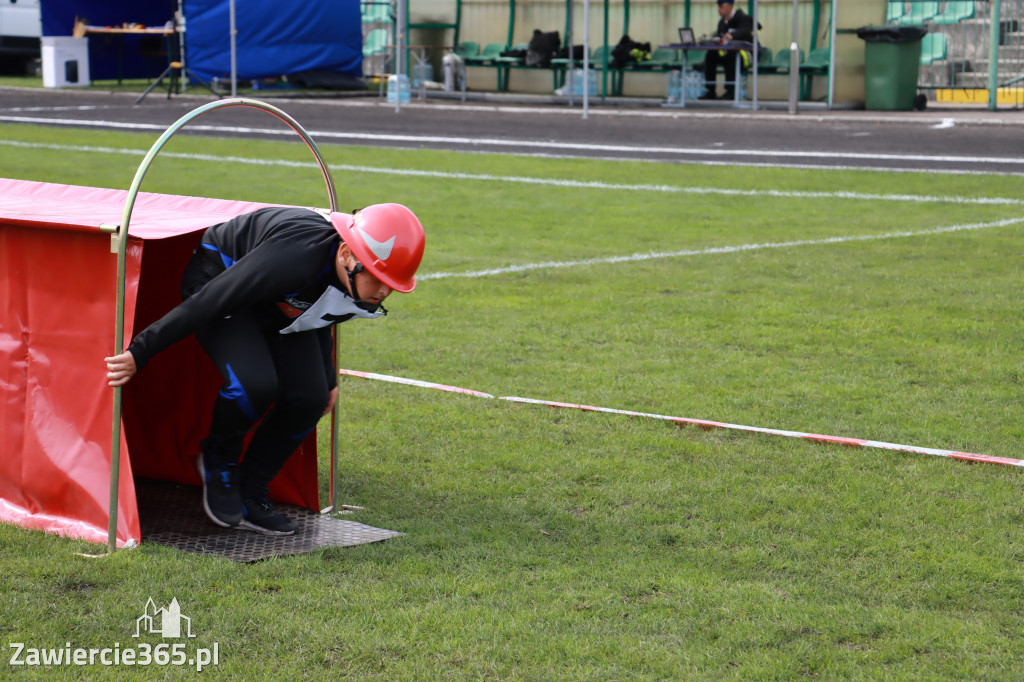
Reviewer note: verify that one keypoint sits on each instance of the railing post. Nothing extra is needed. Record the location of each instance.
(832, 53)
(794, 60)
(401, 56)
(993, 56)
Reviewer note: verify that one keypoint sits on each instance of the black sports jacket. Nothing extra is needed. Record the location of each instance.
(274, 264)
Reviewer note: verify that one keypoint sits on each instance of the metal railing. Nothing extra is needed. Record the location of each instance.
(378, 29)
(974, 51)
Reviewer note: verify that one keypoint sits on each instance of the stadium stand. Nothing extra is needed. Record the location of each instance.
(934, 47)
(954, 13)
(896, 10)
(919, 13)
(780, 62)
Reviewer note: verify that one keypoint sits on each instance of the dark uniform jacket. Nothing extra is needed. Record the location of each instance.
(273, 264)
(740, 25)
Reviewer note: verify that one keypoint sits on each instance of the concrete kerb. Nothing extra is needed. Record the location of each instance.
(958, 114)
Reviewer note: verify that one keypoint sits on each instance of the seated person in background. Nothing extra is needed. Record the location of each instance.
(735, 24)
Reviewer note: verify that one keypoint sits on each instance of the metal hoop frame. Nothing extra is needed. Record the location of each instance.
(119, 240)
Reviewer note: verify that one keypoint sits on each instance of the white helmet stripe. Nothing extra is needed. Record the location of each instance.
(381, 250)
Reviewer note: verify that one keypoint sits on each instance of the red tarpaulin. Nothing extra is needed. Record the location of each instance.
(57, 307)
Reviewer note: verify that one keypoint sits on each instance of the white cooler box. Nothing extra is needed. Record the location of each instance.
(65, 61)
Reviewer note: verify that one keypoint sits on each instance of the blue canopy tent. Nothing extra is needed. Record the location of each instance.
(274, 38)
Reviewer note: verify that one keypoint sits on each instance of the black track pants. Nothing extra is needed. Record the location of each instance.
(728, 63)
(277, 377)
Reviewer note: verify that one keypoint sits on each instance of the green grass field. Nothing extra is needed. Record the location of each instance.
(545, 544)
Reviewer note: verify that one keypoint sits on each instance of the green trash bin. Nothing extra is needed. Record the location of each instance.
(892, 56)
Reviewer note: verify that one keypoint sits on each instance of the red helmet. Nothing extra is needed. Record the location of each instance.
(387, 239)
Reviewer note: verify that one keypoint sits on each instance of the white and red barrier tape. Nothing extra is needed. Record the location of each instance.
(703, 423)
(413, 382)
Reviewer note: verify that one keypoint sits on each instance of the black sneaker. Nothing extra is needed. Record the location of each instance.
(710, 94)
(222, 500)
(260, 517)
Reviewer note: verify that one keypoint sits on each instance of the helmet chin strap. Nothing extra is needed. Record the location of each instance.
(368, 307)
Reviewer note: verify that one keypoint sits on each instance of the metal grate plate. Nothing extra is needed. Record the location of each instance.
(172, 515)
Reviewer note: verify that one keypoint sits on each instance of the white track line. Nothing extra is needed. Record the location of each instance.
(928, 119)
(549, 182)
(1003, 201)
(848, 116)
(704, 423)
(547, 145)
(525, 267)
(736, 163)
(83, 107)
